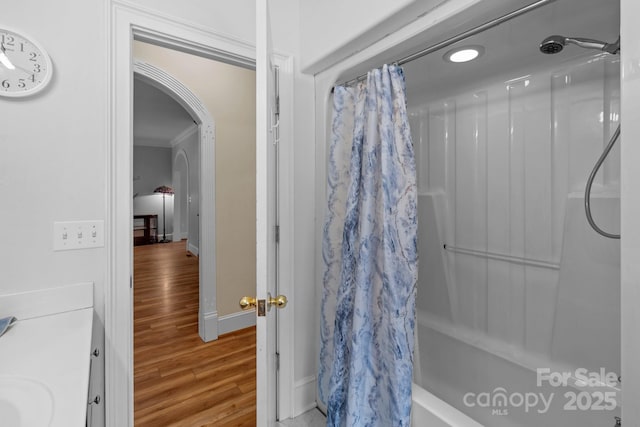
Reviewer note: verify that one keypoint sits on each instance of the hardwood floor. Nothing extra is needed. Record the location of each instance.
(178, 379)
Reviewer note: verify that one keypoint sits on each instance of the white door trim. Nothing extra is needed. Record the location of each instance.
(160, 79)
(286, 269)
(127, 21)
(181, 189)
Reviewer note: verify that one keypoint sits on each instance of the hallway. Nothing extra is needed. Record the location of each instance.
(178, 379)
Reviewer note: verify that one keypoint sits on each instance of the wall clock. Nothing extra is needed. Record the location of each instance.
(25, 67)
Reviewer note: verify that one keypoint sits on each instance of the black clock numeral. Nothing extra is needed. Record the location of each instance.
(6, 84)
(33, 78)
(8, 42)
(21, 83)
(37, 68)
(33, 56)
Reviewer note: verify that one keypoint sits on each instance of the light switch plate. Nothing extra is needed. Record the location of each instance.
(68, 235)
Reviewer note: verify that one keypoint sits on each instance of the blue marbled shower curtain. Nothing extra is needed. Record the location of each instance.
(370, 254)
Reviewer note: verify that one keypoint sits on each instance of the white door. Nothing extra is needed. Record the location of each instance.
(266, 220)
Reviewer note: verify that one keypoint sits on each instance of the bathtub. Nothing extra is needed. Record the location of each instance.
(454, 367)
(457, 363)
(428, 410)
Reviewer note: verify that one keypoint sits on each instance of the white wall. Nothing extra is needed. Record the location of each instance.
(347, 27)
(630, 242)
(151, 169)
(236, 19)
(53, 150)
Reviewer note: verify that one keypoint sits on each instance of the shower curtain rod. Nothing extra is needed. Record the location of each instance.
(464, 35)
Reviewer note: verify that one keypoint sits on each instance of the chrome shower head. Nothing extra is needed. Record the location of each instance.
(555, 43)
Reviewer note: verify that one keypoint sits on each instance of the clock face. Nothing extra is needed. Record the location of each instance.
(25, 68)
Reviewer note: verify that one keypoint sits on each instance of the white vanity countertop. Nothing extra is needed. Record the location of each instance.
(55, 350)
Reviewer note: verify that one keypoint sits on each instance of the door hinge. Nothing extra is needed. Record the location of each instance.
(277, 361)
(277, 234)
(276, 76)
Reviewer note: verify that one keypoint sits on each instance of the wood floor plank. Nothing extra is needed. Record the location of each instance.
(178, 379)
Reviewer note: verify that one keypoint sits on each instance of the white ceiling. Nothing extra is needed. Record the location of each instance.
(514, 45)
(157, 118)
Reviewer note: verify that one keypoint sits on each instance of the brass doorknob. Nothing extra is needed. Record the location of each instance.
(247, 302)
(280, 301)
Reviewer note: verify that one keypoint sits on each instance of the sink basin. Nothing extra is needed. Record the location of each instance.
(25, 402)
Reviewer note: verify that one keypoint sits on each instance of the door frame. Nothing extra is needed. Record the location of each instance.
(127, 23)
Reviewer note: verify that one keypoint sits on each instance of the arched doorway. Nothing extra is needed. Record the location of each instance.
(152, 75)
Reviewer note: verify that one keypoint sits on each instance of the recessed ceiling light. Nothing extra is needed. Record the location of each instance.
(464, 53)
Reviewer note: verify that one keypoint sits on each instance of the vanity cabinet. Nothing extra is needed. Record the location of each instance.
(95, 391)
(94, 397)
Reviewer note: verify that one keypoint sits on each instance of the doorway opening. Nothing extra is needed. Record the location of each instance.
(210, 168)
(220, 203)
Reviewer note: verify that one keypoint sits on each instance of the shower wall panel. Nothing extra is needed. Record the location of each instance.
(500, 162)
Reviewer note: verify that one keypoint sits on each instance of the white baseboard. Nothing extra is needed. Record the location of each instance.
(208, 326)
(193, 249)
(161, 236)
(304, 395)
(235, 321)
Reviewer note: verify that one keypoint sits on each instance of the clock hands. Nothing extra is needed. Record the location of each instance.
(4, 59)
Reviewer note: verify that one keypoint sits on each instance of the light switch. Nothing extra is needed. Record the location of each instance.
(68, 235)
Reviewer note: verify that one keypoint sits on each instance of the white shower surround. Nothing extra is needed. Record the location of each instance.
(501, 174)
